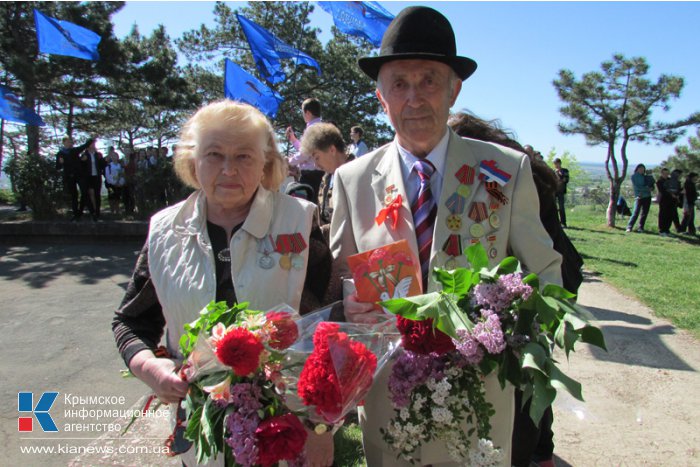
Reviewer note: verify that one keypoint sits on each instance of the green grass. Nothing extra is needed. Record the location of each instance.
(660, 272)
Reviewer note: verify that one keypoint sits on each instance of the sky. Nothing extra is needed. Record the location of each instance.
(520, 48)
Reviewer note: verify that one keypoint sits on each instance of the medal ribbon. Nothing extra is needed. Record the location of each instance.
(266, 245)
(456, 203)
(453, 245)
(391, 211)
(494, 190)
(290, 243)
(489, 172)
(478, 211)
(465, 175)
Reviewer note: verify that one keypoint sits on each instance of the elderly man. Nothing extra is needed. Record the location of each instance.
(450, 187)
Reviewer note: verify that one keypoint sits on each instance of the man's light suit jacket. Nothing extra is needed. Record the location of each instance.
(360, 192)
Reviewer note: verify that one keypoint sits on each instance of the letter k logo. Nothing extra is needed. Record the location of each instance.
(25, 403)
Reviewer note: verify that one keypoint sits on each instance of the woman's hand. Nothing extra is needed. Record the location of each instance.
(318, 449)
(360, 312)
(159, 374)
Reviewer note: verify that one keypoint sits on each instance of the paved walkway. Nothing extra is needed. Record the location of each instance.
(57, 304)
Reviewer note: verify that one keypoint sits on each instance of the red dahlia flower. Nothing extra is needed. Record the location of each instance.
(279, 438)
(283, 332)
(420, 337)
(240, 349)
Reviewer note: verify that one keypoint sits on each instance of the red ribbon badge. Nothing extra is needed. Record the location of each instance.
(390, 211)
(290, 243)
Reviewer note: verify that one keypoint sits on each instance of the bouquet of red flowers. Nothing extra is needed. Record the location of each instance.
(235, 405)
(330, 370)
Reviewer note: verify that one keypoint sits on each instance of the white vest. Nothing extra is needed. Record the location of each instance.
(182, 266)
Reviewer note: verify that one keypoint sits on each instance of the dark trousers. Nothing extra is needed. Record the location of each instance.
(668, 214)
(94, 183)
(74, 186)
(688, 221)
(313, 179)
(531, 443)
(641, 206)
(561, 197)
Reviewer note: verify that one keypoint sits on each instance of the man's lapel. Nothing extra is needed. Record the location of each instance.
(387, 184)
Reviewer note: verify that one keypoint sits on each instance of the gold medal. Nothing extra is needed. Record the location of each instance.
(285, 262)
(495, 220)
(464, 191)
(476, 230)
(454, 222)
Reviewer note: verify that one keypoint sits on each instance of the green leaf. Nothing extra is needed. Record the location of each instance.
(594, 336)
(560, 381)
(458, 281)
(409, 307)
(477, 257)
(509, 265)
(534, 356)
(555, 291)
(532, 280)
(542, 396)
(546, 310)
(576, 321)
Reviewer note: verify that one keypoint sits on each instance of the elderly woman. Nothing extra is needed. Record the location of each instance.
(216, 245)
(327, 148)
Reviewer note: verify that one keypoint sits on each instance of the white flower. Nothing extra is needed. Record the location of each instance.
(485, 454)
(441, 415)
(404, 414)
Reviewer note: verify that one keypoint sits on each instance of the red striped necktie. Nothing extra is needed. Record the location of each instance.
(424, 210)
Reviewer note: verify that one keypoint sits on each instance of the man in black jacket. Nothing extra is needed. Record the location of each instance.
(68, 160)
(93, 167)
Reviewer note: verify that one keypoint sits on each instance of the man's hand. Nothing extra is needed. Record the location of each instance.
(289, 132)
(360, 312)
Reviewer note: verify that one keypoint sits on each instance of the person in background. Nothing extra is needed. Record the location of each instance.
(563, 175)
(130, 169)
(643, 184)
(675, 188)
(93, 167)
(68, 161)
(668, 203)
(419, 77)
(214, 246)
(531, 443)
(690, 196)
(325, 144)
(114, 180)
(309, 173)
(357, 147)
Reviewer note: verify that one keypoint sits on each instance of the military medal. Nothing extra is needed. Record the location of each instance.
(478, 211)
(492, 252)
(495, 220)
(454, 222)
(452, 247)
(266, 246)
(476, 230)
(290, 246)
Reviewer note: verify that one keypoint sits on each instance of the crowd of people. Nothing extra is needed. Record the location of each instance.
(139, 181)
(671, 195)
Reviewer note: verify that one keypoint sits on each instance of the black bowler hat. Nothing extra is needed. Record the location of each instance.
(419, 33)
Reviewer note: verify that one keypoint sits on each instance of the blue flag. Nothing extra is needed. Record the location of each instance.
(11, 109)
(363, 19)
(268, 50)
(242, 86)
(63, 38)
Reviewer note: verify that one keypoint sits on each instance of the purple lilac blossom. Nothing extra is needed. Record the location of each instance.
(490, 335)
(410, 370)
(501, 294)
(468, 347)
(243, 422)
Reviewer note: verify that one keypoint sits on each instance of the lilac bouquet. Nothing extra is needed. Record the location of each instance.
(482, 321)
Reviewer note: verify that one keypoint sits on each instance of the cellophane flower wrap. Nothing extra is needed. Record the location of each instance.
(332, 366)
(235, 405)
(482, 321)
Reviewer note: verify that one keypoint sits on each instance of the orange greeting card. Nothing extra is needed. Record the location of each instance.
(391, 271)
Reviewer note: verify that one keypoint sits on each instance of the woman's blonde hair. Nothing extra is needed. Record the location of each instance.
(240, 120)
